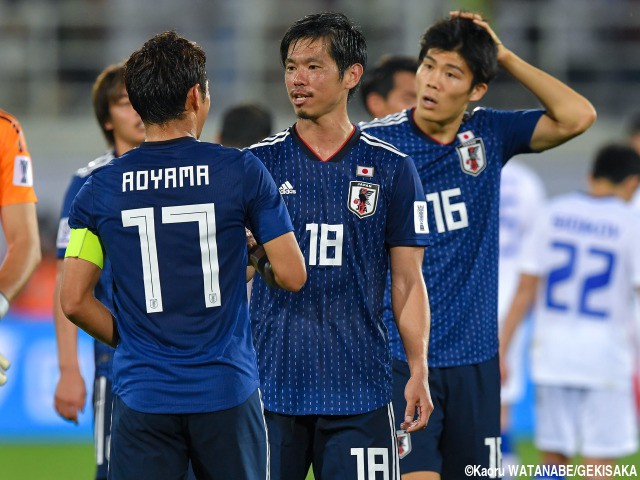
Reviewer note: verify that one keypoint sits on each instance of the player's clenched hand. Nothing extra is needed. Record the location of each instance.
(70, 395)
(419, 404)
(4, 366)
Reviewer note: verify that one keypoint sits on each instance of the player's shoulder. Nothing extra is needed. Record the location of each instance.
(391, 120)
(9, 121)
(93, 165)
(272, 141)
(379, 145)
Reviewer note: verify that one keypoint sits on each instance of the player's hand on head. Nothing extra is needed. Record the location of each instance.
(478, 20)
(419, 404)
(4, 366)
(70, 396)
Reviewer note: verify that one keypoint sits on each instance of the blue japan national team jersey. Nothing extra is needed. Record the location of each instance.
(462, 185)
(104, 292)
(171, 217)
(324, 350)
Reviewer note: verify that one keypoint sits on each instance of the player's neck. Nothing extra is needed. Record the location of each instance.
(171, 130)
(121, 147)
(325, 135)
(443, 132)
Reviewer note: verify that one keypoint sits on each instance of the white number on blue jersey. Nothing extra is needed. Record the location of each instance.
(589, 285)
(204, 214)
(326, 244)
(373, 466)
(444, 210)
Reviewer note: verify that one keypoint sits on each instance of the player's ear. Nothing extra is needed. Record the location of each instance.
(194, 99)
(352, 75)
(478, 91)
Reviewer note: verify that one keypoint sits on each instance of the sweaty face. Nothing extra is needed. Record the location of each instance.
(403, 94)
(444, 87)
(312, 79)
(125, 123)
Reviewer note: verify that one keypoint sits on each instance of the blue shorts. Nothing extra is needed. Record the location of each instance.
(338, 446)
(464, 428)
(222, 445)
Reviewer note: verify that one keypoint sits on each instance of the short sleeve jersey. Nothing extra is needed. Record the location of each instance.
(324, 350)
(462, 185)
(521, 195)
(16, 172)
(171, 217)
(586, 252)
(104, 289)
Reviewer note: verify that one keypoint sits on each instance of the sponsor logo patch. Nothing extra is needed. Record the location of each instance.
(22, 173)
(363, 198)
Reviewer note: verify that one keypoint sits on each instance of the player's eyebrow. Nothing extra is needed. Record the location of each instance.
(450, 65)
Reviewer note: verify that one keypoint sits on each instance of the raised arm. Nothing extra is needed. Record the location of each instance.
(568, 114)
(411, 310)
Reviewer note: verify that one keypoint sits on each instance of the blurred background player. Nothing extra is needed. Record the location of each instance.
(390, 86)
(356, 204)
(244, 125)
(580, 270)
(171, 217)
(17, 215)
(123, 130)
(522, 193)
(459, 157)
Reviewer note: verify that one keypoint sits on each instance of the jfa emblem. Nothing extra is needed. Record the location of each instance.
(404, 443)
(472, 157)
(363, 198)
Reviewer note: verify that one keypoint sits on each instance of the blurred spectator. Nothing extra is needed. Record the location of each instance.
(244, 125)
(390, 86)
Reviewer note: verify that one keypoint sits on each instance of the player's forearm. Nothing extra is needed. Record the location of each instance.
(66, 332)
(520, 305)
(571, 111)
(21, 260)
(411, 311)
(94, 318)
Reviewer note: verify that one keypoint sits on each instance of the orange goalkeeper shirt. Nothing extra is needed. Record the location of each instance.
(16, 173)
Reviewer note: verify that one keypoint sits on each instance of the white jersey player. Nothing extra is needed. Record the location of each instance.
(581, 267)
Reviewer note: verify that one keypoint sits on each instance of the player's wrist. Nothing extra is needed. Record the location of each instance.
(4, 305)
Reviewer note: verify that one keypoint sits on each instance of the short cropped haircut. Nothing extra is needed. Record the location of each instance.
(245, 125)
(106, 91)
(380, 80)
(159, 75)
(615, 162)
(472, 42)
(347, 45)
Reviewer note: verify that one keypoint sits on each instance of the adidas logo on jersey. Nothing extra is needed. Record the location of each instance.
(286, 189)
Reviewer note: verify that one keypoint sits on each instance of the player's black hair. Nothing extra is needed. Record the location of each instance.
(159, 75)
(347, 45)
(245, 125)
(106, 91)
(615, 162)
(380, 80)
(472, 42)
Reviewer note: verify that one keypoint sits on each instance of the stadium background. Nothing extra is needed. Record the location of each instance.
(52, 50)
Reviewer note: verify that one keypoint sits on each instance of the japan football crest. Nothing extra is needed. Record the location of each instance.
(404, 443)
(363, 198)
(472, 157)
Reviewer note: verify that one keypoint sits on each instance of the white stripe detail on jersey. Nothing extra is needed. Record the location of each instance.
(98, 420)
(97, 163)
(376, 142)
(393, 119)
(395, 465)
(266, 430)
(272, 140)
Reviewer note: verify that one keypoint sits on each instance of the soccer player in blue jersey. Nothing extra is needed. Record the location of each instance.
(171, 215)
(123, 130)
(459, 157)
(357, 207)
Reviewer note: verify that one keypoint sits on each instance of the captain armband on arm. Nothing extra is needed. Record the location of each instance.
(258, 259)
(86, 245)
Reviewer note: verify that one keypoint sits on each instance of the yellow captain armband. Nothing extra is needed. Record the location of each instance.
(86, 245)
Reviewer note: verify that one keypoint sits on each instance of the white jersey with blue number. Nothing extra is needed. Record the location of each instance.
(586, 251)
(324, 349)
(522, 195)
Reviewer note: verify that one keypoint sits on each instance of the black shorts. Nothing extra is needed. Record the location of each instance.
(338, 446)
(464, 428)
(222, 445)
